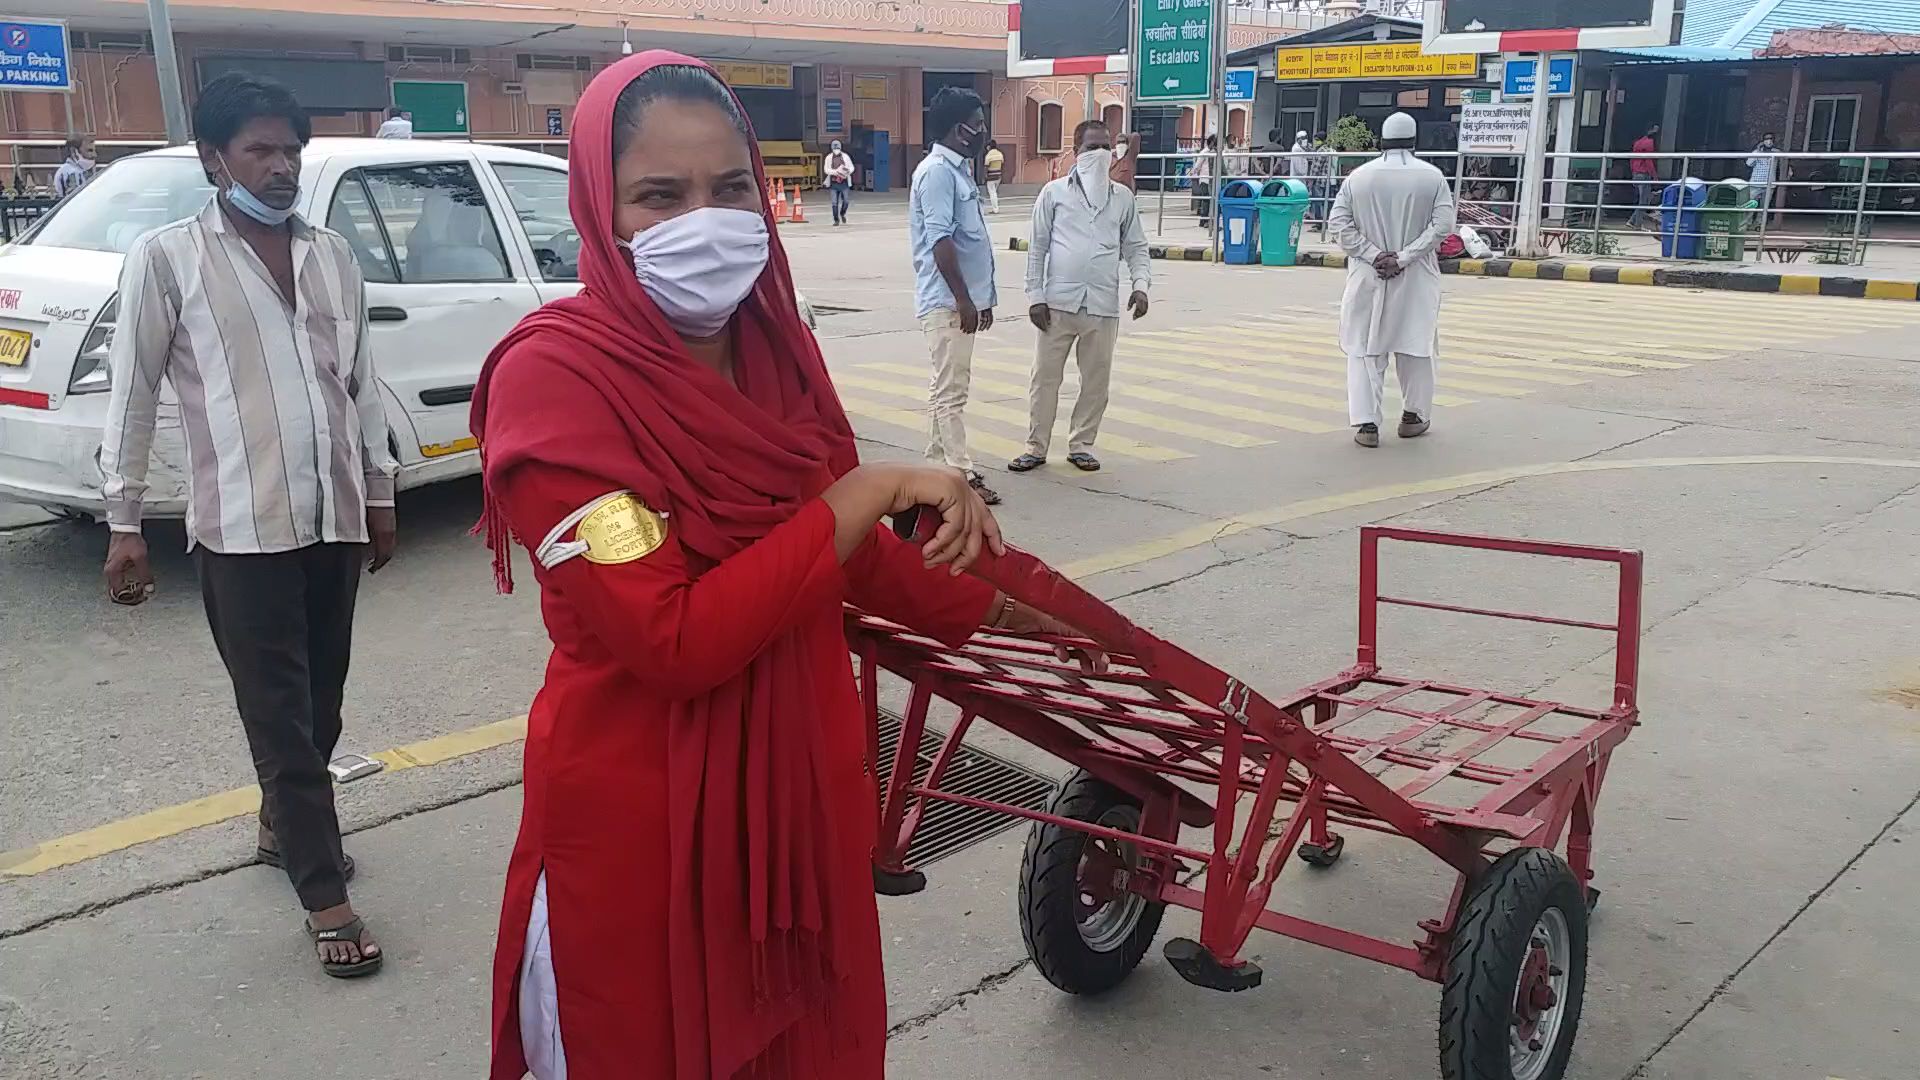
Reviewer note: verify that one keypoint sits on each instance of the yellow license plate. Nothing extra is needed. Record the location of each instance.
(14, 345)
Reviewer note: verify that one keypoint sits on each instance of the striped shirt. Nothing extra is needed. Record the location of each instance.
(286, 435)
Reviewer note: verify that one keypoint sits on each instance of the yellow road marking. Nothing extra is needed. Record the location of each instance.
(1539, 345)
(1578, 272)
(238, 802)
(1245, 368)
(1255, 337)
(1119, 444)
(1803, 284)
(1892, 290)
(1747, 319)
(1213, 408)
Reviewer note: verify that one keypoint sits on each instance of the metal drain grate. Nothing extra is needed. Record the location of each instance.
(950, 827)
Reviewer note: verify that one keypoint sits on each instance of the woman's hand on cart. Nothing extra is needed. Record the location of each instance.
(1018, 618)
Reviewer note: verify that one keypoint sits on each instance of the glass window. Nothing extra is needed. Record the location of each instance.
(127, 200)
(352, 216)
(539, 197)
(1050, 130)
(437, 223)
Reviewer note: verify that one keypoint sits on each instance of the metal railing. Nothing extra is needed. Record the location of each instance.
(1832, 207)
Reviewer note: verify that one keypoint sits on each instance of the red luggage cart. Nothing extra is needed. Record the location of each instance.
(1181, 773)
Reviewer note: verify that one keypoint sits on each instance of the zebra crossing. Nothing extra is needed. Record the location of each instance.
(1257, 378)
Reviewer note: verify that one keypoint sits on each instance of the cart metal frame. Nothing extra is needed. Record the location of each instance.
(1200, 749)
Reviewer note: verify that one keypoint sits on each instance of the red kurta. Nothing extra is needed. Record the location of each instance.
(629, 640)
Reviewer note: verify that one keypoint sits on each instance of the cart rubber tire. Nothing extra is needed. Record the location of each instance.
(1491, 941)
(1320, 858)
(1050, 894)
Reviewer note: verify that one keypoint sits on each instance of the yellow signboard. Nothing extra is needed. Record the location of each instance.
(869, 88)
(754, 76)
(1381, 60)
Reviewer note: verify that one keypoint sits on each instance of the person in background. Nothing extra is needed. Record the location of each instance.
(1301, 163)
(1389, 218)
(691, 892)
(996, 162)
(78, 167)
(1320, 182)
(1083, 225)
(1202, 176)
(1765, 168)
(397, 125)
(1646, 178)
(839, 168)
(258, 321)
(953, 270)
(1125, 161)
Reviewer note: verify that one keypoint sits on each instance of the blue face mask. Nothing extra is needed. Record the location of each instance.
(249, 204)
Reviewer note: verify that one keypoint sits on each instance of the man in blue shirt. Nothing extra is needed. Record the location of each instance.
(952, 269)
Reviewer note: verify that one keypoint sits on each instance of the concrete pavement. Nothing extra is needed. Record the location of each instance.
(1750, 845)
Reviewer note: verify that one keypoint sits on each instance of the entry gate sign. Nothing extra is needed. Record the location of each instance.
(34, 55)
(1174, 46)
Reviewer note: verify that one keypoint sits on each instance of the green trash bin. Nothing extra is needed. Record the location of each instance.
(1724, 221)
(1283, 207)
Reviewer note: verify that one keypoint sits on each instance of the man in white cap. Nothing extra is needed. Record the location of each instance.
(1301, 163)
(1389, 218)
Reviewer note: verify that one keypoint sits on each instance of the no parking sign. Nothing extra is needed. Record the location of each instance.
(34, 55)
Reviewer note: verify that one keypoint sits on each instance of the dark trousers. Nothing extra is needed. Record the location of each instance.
(840, 199)
(284, 626)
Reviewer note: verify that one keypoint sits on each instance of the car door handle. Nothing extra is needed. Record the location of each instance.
(446, 395)
(386, 314)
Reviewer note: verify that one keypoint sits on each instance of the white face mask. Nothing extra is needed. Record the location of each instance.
(1092, 168)
(700, 266)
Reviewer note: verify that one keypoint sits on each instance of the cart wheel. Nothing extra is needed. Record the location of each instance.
(1322, 857)
(1085, 929)
(1517, 972)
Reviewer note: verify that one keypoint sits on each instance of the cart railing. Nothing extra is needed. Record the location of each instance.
(1625, 625)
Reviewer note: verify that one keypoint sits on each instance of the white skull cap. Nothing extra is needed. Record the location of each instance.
(1398, 126)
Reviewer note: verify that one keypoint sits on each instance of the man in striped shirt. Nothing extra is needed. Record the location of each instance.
(258, 320)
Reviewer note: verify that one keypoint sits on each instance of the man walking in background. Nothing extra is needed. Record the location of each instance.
(996, 163)
(952, 270)
(839, 169)
(258, 320)
(397, 125)
(1083, 223)
(1646, 179)
(77, 169)
(1389, 218)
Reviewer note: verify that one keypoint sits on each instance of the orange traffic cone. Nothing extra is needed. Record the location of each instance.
(780, 200)
(799, 212)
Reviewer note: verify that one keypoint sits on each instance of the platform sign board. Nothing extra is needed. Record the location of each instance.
(35, 55)
(1494, 26)
(1174, 46)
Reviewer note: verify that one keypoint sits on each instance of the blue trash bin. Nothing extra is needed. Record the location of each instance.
(1681, 226)
(1240, 222)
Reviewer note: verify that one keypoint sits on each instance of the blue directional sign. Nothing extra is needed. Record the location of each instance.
(1520, 77)
(1240, 83)
(34, 55)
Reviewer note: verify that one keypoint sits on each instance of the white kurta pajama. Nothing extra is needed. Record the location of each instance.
(1400, 204)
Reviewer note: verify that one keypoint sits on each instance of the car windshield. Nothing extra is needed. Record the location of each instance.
(126, 201)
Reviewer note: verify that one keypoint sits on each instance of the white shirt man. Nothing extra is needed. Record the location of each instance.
(76, 170)
(1389, 218)
(839, 170)
(1083, 225)
(398, 125)
(1300, 164)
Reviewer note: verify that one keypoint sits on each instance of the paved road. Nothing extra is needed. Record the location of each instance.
(1757, 837)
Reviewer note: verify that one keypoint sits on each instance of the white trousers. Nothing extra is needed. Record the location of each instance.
(993, 196)
(1367, 384)
(540, 997)
(952, 354)
(1090, 338)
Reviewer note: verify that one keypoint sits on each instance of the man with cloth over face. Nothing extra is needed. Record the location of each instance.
(1389, 218)
(1083, 223)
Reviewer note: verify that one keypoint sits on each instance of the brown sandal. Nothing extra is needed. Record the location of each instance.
(351, 932)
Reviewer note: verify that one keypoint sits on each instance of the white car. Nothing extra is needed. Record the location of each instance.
(457, 241)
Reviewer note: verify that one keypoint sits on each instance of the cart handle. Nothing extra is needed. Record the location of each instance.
(1625, 625)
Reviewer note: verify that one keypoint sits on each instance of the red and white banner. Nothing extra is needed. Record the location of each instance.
(1020, 68)
(1657, 30)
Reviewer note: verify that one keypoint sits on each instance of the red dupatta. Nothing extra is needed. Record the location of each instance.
(751, 924)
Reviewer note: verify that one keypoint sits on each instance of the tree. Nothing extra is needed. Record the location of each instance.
(1351, 135)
